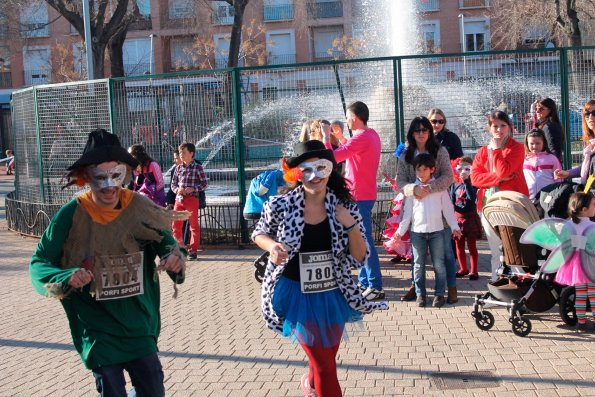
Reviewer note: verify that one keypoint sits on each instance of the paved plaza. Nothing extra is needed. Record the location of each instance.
(214, 343)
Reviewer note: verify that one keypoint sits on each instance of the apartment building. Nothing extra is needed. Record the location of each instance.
(450, 26)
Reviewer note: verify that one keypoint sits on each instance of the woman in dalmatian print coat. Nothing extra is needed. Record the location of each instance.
(314, 235)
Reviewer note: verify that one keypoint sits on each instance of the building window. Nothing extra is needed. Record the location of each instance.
(34, 20)
(269, 93)
(79, 59)
(36, 65)
(430, 36)
(137, 57)
(280, 47)
(428, 5)
(325, 9)
(323, 39)
(144, 8)
(179, 9)
(278, 10)
(181, 57)
(474, 3)
(5, 70)
(476, 34)
(223, 13)
(3, 25)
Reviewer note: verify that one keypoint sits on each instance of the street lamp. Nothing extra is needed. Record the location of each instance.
(463, 44)
(88, 40)
(152, 36)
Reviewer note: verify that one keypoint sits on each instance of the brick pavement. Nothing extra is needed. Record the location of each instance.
(213, 342)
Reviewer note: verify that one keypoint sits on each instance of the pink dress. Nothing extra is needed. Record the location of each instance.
(571, 272)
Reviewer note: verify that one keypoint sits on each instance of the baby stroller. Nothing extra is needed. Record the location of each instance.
(521, 286)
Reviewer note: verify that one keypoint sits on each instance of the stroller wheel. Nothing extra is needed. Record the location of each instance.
(259, 275)
(484, 320)
(566, 304)
(521, 326)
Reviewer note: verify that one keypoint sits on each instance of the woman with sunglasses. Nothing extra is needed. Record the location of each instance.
(445, 137)
(546, 114)
(588, 165)
(421, 139)
(498, 166)
(315, 236)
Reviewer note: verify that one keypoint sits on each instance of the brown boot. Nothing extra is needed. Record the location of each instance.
(452, 295)
(410, 295)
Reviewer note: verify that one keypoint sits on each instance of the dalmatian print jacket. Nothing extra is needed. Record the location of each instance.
(283, 220)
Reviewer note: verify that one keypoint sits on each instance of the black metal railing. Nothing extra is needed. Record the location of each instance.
(473, 3)
(280, 12)
(137, 69)
(327, 55)
(143, 23)
(36, 76)
(327, 9)
(280, 59)
(428, 5)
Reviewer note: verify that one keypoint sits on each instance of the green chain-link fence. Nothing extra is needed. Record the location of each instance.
(243, 120)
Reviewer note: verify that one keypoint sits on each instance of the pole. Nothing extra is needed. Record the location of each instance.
(463, 49)
(151, 56)
(88, 40)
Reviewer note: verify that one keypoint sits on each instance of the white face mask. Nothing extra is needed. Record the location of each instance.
(114, 177)
(464, 170)
(320, 168)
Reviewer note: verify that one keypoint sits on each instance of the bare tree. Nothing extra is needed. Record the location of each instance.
(110, 20)
(513, 22)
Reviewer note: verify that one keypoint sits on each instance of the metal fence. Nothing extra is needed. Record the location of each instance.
(244, 119)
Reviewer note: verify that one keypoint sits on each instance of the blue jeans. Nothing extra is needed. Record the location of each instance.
(369, 274)
(145, 373)
(449, 258)
(419, 244)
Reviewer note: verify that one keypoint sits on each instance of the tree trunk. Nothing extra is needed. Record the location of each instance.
(98, 60)
(236, 33)
(115, 51)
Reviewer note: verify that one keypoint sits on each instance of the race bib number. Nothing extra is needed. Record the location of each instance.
(119, 276)
(316, 272)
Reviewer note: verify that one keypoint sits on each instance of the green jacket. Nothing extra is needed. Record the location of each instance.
(104, 332)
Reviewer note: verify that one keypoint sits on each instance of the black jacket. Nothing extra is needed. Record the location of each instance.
(451, 142)
(554, 136)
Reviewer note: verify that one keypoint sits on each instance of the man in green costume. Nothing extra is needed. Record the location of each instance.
(98, 257)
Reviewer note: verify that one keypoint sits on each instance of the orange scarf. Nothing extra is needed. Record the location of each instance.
(103, 215)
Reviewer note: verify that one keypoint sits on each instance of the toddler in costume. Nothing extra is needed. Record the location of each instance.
(464, 199)
(400, 247)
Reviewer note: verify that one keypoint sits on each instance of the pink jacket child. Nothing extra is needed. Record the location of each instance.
(539, 164)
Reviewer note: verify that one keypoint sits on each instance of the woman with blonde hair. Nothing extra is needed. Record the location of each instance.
(445, 137)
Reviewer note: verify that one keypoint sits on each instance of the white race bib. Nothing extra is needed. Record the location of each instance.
(125, 278)
(316, 272)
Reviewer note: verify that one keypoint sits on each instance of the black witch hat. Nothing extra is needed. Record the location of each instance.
(102, 147)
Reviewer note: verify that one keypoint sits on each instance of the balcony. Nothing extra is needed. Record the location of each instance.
(223, 15)
(35, 30)
(326, 9)
(327, 55)
(474, 3)
(5, 80)
(143, 23)
(137, 69)
(280, 59)
(220, 63)
(36, 77)
(428, 5)
(278, 12)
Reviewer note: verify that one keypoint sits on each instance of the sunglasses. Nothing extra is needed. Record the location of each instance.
(589, 113)
(421, 131)
(438, 121)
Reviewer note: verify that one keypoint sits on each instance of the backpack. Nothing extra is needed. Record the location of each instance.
(553, 199)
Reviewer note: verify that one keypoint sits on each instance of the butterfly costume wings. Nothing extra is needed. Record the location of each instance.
(572, 246)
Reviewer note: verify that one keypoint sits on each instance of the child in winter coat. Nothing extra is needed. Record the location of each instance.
(540, 163)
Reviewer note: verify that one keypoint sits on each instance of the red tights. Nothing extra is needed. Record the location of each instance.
(323, 370)
(462, 256)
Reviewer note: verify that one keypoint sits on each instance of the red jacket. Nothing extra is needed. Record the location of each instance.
(507, 161)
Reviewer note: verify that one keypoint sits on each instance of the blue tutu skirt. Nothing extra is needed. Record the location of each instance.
(315, 319)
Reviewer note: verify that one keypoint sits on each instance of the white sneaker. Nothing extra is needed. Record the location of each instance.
(373, 294)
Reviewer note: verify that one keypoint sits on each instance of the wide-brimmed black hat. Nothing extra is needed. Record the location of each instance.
(306, 150)
(102, 147)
